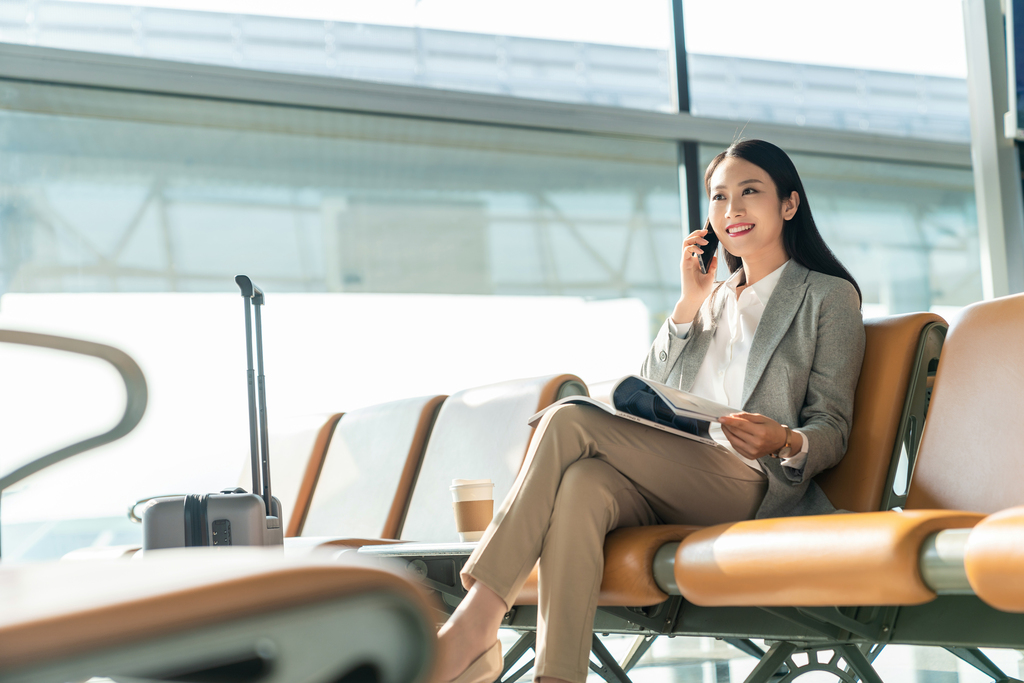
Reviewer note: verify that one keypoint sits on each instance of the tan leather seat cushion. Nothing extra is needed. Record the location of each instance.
(70, 607)
(994, 560)
(823, 560)
(628, 566)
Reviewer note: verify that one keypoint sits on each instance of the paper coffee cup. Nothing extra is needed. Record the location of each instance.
(473, 501)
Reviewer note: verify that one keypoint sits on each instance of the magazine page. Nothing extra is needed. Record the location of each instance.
(689, 404)
(703, 437)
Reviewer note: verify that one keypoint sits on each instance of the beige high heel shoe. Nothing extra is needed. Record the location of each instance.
(484, 669)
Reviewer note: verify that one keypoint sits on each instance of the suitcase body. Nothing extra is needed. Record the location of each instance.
(231, 517)
(219, 519)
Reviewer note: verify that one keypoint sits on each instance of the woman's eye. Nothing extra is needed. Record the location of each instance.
(717, 197)
(749, 190)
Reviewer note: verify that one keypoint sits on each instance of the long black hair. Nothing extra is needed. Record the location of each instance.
(800, 236)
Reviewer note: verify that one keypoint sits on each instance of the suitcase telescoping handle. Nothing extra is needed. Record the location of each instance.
(260, 454)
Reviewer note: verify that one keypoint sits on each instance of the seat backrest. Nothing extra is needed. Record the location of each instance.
(888, 409)
(310, 475)
(480, 433)
(369, 468)
(971, 455)
(295, 444)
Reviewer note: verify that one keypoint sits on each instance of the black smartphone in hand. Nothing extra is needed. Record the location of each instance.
(709, 249)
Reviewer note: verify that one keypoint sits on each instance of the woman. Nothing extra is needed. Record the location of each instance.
(783, 338)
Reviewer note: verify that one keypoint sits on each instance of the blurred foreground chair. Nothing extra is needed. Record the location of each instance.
(213, 614)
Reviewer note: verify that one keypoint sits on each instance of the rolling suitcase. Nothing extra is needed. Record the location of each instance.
(233, 516)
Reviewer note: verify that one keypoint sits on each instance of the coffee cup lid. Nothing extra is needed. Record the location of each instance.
(471, 482)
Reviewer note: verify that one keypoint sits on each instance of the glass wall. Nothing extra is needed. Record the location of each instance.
(563, 50)
(907, 233)
(467, 252)
(139, 193)
(831, 65)
(461, 255)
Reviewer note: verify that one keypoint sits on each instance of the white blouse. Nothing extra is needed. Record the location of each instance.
(721, 374)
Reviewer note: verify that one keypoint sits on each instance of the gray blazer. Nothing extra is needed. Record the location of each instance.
(802, 371)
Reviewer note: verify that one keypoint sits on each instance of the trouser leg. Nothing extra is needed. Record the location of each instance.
(512, 542)
(682, 481)
(593, 499)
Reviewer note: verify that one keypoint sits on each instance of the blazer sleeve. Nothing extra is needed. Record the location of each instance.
(827, 413)
(663, 354)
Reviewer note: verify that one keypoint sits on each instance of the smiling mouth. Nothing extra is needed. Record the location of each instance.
(739, 229)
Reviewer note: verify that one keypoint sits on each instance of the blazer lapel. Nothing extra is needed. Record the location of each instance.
(774, 323)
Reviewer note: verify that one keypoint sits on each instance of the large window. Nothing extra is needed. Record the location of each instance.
(460, 255)
(907, 233)
(410, 251)
(170, 194)
(891, 68)
(563, 50)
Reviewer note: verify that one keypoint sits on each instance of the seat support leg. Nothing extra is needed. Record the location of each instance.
(526, 642)
(770, 662)
(608, 669)
(640, 647)
(859, 663)
(746, 645)
(979, 661)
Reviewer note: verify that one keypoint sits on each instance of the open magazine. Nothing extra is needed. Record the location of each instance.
(656, 405)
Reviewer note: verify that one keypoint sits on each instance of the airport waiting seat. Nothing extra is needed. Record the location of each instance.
(297, 449)
(969, 455)
(361, 487)
(890, 400)
(480, 433)
(929, 574)
(213, 614)
(475, 433)
(295, 514)
(635, 593)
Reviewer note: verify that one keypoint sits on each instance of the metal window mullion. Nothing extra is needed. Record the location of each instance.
(689, 182)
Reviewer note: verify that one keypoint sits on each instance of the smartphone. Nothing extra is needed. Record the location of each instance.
(709, 249)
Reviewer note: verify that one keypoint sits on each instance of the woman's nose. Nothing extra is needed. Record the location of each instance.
(735, 208)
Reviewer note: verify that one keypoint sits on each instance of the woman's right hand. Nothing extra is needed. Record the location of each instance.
(695, 286)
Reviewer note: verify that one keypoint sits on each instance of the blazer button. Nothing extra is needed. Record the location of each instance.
(663, 355)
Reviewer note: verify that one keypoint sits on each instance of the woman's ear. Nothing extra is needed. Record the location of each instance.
(790, 204)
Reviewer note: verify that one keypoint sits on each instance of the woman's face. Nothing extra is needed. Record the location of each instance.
(746, 211)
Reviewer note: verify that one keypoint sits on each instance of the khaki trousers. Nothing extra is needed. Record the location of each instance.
(587, 473)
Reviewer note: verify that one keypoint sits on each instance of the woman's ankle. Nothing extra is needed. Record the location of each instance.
(481, 610)
(471, 629)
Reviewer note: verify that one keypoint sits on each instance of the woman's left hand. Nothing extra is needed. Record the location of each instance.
(752, 435)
